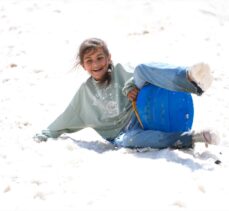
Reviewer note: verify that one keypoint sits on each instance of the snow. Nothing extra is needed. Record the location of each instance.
(38, 45)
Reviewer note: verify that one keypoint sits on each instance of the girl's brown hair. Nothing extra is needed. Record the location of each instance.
(91, 45)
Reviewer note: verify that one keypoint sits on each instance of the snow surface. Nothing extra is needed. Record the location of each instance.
(39, 40)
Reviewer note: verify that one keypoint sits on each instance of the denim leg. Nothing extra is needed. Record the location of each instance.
(135, 137)
(164, 75)
(140, 138)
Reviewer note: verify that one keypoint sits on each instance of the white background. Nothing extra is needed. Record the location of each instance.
(39, 40)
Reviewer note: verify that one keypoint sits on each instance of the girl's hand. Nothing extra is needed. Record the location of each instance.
(133, 93)
(40, 138)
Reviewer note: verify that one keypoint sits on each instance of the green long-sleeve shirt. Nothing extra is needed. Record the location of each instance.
(103, 108)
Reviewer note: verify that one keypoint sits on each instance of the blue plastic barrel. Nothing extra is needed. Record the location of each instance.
(165, 110)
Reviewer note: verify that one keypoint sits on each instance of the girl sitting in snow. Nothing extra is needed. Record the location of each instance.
(103, 102)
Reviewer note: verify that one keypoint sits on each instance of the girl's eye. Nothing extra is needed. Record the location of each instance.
(88, 62)
(100, 58)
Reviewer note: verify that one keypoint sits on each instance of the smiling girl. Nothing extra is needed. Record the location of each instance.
(104, 101)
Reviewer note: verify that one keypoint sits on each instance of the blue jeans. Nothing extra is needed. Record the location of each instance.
(168, 77)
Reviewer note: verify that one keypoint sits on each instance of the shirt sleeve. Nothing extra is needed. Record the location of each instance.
(69, 121)
(129, 84)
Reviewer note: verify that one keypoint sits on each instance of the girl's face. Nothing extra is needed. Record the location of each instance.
(96, 63)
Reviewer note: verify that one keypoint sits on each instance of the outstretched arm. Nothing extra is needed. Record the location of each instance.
(69, 121)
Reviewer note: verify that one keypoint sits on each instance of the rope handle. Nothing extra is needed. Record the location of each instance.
(136, 113)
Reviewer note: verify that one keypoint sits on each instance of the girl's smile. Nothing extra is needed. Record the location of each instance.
(96, 63)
